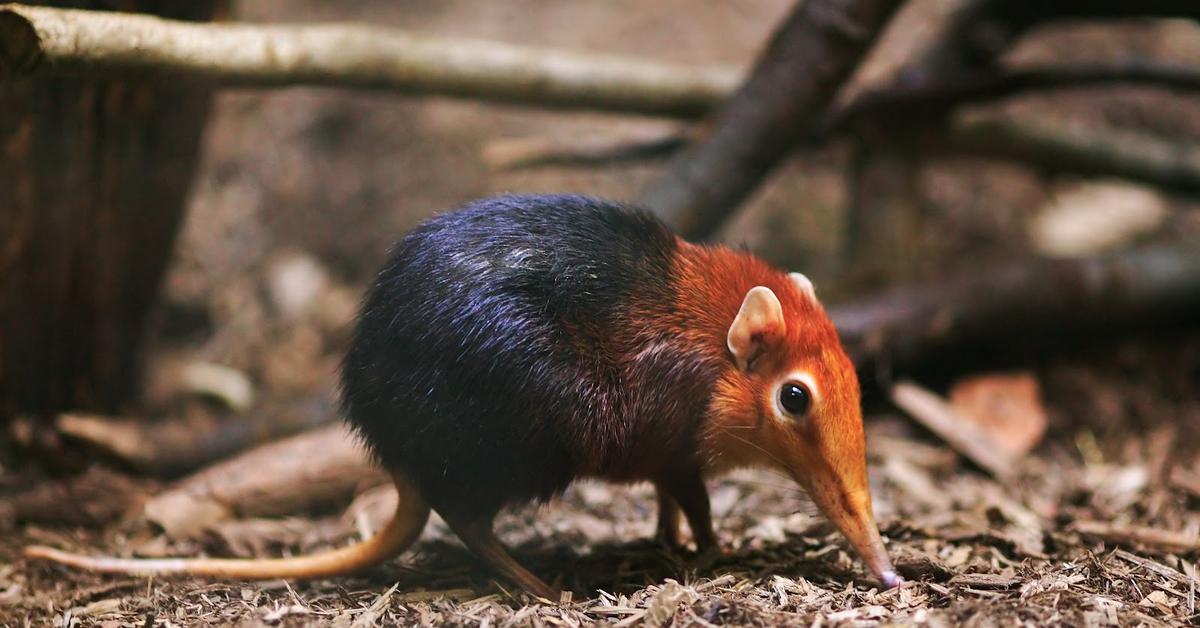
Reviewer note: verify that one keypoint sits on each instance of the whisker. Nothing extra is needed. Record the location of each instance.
(759, 447)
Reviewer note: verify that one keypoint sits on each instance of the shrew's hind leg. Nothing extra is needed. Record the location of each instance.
(478, 536)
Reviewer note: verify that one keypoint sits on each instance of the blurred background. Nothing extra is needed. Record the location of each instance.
(180, 265)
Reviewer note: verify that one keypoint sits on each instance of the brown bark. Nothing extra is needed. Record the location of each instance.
(811, 54)
(94, 498)
(927, 89)
(93, 181)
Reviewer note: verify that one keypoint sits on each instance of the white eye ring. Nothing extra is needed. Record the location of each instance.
(801, 377)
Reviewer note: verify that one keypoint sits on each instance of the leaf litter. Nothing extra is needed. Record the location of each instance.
(1098, 526)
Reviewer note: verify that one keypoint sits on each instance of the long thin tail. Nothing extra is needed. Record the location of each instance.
(412, 511)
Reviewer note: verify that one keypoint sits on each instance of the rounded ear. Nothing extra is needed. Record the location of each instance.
(804, 285)
(758, 323)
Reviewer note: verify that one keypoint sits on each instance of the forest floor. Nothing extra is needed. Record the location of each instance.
(315, 184)
(974, 551)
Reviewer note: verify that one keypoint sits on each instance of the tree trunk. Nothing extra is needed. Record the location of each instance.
(94, 177)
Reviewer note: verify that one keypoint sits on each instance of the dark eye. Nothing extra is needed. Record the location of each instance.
(795, 398)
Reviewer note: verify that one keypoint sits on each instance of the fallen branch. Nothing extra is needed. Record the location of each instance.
(45, 41)
(808, 59)
(94, 498)
(977, 31)
(1186, 480)
(171, 447)
(1023, 12)
(317, 469)
(1020, 302)
(885, 216)
(1116, 153)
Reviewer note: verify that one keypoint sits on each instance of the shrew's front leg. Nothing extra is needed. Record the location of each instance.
(687, 490)
(669, 532)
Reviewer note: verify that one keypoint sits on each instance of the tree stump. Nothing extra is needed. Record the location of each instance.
(94, 177)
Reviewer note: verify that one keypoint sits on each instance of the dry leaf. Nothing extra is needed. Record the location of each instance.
(664, 604)
(1008, 407)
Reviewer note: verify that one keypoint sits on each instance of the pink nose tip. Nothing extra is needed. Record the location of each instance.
(890, 579)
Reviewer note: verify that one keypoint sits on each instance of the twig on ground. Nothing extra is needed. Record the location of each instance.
(941, 419)
(1161, 540)
(1152, 566)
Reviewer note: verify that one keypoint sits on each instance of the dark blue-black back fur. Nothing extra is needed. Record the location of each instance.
(483, 364)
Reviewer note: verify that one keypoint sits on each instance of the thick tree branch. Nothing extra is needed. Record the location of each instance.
(933, 100)
(1023, 302)
(319, 468)
(36, 40)
(920, 106)
(1115, 153)
(979, 30)
(811, 54)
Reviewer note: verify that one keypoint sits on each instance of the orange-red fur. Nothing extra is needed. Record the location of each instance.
(824, 451)
(743, 401)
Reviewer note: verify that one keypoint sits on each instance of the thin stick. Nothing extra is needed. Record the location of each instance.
(1162, 540)
(937, 415)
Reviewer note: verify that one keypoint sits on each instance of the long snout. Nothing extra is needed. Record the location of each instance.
(849, 509)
